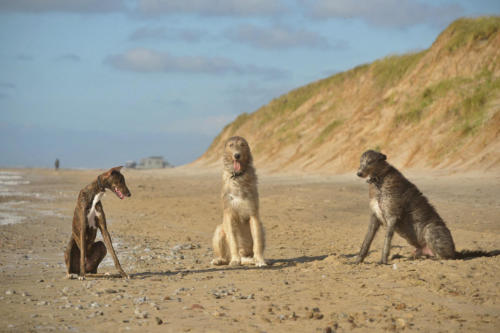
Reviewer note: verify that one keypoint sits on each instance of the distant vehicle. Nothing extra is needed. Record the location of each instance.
(153, 162)
(130, 164)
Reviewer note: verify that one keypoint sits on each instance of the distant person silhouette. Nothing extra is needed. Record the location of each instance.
(56, 164)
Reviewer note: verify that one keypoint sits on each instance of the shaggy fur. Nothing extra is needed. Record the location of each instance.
(240, 237)
(398, 205)
(83, 254)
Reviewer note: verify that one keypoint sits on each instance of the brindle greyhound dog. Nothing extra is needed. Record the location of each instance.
(83, 254)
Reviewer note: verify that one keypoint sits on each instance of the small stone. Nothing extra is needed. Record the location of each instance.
(110, 291)
(65, 290)
(328, 329)
(140, 300)
(25, 294)
(318, 315)
(42, 303)
(401, 322)
(218, 314)
(140, 314)
(158, 320)
(35, 315)
(10, 292)
(197, 307)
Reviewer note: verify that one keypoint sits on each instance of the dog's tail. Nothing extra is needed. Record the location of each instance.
(468, 254)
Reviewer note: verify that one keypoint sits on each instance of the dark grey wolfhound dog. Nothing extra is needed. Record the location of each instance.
(399, 205)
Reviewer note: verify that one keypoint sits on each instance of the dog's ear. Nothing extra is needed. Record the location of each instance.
(110, 171)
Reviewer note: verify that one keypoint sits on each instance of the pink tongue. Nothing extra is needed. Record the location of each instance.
(119, 193)
(236, 166)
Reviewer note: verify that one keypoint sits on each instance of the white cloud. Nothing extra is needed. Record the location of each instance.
(385, 13)
(147, 60)
(69, 57)
(211, 8)
(277, 37)
(163, 33)
(76, 6)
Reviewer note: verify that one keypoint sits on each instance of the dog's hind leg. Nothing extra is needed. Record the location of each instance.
(221, 250)
(439, 241)
(94, 257)
(72, 257)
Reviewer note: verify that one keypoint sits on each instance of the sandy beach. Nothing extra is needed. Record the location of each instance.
(314, 228)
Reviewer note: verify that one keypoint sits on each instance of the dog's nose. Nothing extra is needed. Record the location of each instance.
(359, 174)
(237, 156)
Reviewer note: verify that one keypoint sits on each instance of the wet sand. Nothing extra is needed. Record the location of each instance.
(314, 227)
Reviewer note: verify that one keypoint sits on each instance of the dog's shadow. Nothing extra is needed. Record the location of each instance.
(272, 264)
(460, 255)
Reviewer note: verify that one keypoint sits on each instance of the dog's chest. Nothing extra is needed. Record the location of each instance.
(91, 216)
(375, 207)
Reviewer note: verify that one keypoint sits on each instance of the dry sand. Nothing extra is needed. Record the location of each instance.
(315, 225)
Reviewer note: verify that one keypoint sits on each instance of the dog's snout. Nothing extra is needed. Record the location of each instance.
(237, 156)
(359, 174)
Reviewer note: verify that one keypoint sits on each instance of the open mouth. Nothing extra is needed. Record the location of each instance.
(236, 166)
(119, 193)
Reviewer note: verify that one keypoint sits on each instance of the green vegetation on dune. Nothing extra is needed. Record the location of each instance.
(388, 71)
(466, 30)
(327, 131)
(472, 110)
(414, 91)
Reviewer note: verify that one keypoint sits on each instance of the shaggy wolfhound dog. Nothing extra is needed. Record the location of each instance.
(240, 237)
(398, 205)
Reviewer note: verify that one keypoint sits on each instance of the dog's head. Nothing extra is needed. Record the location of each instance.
(370, 162)
(114, 180)
(237, 156)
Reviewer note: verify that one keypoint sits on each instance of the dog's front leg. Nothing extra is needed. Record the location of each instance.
(372, 230)
(391, 224)
(258, 241)
(83, 243)
(109, 245)
(228, 224)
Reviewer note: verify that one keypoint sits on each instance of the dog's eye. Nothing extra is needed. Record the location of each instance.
(231, 145)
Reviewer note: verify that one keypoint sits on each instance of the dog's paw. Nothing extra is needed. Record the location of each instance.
(358, 260)
(247, 260)
(125, 275)
(218, 262)
(235, 262)
(71, 276)
(260, 263)
(81, 277)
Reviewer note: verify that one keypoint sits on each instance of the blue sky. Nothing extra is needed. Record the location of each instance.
(96, 83)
